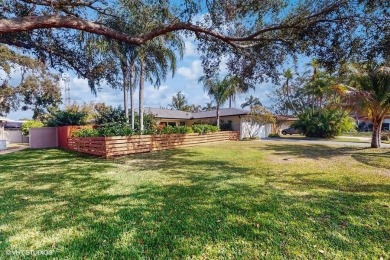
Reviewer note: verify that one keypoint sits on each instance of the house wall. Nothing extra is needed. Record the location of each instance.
(15, 136)
(246, 130)
(236, 121)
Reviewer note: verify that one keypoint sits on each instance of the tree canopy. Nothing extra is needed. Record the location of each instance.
(254, 36)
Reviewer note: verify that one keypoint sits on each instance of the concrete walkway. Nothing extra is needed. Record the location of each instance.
(365, 142)
(11, 148)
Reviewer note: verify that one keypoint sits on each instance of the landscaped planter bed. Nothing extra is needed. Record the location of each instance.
(123, 145)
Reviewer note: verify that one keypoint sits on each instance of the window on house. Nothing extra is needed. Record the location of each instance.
(182, 123)
(172, 123)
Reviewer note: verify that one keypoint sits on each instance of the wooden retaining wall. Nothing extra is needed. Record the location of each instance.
(123, 145)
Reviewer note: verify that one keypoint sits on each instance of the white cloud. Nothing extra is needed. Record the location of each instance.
(193, 72)
(190, 48)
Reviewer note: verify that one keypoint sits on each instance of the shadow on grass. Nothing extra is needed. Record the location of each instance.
(210, 208)
(380, 158)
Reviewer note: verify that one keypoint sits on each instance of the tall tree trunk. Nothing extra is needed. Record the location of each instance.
(125, 107)
(218, 116)
(230, 102)
(376, 132)
(132, 88)
(141, 96)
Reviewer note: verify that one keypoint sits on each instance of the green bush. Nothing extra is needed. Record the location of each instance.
(273, 135)
(176, 130)
(204, 129)
(27, 125)
(87, 132)
(109, 114)
(63, 118)
(107, 130)
(324, 123)
(115, 130)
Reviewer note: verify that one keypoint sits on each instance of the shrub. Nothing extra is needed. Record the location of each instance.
(107, 130)
(87, 132)
(27, 125)
(324, 123)
(115, 130)
(109, 115)
(385, 136)
(204, 129)
(63, 118)
(273, 135)
(176, 130)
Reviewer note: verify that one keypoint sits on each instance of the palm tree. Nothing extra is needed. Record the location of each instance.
(369, 93)
(209, 107)
(251, 101)
(218, 90)
(237, 86)
(179, 102)
(156, 58)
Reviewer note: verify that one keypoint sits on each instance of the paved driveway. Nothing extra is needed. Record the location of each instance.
(14, 148)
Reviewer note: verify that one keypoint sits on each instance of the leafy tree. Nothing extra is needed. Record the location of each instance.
(245, 34)
(368, 92)
(29, 124)
(66, 117)
(108, 114)
(39, 93)
(258, 117)
(8, 99)
(312, 88)
(251, 101)
(324, 123)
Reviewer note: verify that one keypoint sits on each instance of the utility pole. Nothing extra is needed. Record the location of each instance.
(66, 79)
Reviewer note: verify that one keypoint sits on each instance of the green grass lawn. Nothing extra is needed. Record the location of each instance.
(228, 200)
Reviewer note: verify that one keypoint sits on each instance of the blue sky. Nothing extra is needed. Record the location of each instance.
(189, 70)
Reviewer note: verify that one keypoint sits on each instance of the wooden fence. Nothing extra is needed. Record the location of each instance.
(123, 145)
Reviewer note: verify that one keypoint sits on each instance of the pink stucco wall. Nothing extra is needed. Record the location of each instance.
(43, 137)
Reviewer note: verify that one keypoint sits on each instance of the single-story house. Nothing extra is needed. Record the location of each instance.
(233, 116)
(10, 130)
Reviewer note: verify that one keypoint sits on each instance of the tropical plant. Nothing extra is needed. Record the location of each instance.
(29, 124)
(251, 101)
(204, 128)
(324, 123)
(218, 90)
(209, 107)
(237, 86)
(368, 93)
(179, 102)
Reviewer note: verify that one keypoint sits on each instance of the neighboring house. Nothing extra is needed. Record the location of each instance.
(181, 118)
(13, 132)
(365, 124)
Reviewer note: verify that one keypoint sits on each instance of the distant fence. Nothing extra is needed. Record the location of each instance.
(123, 145)
(43, 137)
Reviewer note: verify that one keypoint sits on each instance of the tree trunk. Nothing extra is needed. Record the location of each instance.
(125, 107)
(230, 102)
(376, 133)
(132, 88)
(141, 97)
(218, 116)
